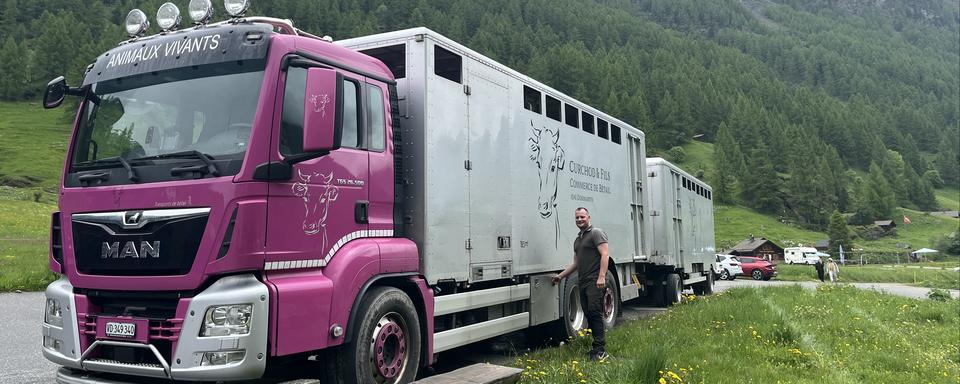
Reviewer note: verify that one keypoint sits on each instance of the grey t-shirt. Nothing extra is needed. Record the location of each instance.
(585, 249)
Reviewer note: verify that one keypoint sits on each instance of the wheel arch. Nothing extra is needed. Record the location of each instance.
(404, 283)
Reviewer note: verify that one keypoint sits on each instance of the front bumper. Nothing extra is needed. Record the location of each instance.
(185, 363)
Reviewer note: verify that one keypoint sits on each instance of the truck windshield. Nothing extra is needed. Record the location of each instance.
(206, 109)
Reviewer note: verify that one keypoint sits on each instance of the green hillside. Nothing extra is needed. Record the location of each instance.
(34, 141)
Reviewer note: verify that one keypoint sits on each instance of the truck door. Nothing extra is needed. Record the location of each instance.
(317, 210)
(638, 172)
(489, 161)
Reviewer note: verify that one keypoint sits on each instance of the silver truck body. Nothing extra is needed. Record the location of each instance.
(492, 185)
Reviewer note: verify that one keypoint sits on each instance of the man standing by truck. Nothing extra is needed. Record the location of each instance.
(590, 260)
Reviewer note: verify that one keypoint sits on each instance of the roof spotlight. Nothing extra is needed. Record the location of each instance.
(136, 23)
(236, 8)
(168, 17)
(200, 11)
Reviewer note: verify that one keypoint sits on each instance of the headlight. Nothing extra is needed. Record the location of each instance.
(53, 314)
(226, 320)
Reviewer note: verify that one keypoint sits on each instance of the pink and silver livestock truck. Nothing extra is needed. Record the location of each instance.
(242, 195)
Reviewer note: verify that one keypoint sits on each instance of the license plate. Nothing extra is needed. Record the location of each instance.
(121, 329)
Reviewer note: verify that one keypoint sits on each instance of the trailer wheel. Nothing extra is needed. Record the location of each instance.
(705, 287)
(611, 302)
(387, 344)
(673, 289)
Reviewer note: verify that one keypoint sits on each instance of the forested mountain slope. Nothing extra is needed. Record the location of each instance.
(793, 93)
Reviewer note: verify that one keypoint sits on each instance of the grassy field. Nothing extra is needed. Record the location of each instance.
(34, 141)
(949, 199)
(923, 231)
(835, 334)
(24, 228)
(733, 224)
(911, 275)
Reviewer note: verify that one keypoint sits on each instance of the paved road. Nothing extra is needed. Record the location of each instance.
(22, 363)
(20, 359)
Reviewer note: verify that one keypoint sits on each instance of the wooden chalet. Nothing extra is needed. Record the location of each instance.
(758, 247)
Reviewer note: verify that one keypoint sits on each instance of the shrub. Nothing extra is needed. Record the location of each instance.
(939, 295)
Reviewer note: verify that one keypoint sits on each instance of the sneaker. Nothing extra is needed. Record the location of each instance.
(600, 356)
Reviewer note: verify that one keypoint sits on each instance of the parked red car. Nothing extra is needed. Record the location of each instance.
(758, 268)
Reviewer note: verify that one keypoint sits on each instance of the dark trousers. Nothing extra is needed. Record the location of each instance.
(591, 301)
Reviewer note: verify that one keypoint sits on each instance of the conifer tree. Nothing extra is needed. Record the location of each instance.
(839, 233)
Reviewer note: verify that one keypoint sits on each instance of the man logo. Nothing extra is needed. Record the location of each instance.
(113, 251)
(132, 217)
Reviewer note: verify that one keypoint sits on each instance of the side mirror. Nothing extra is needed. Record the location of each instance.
(55, 93)
(322, 111)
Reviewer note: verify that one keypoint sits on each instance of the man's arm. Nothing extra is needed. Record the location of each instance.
(604, 261)
(566, 271)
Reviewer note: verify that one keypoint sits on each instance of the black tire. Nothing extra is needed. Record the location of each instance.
(708, 287)
(705, 287)
(725, 275)
(388, 323)
(611, 302)
(572, 318)
(673, 289)
(756, 274)
(767, 278)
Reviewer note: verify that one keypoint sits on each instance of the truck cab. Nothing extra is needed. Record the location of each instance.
(211, 172)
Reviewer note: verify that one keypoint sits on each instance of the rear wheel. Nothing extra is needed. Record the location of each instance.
(673, 289)
(705, 287)
(386, 347)
(572, 318)
(611, 302)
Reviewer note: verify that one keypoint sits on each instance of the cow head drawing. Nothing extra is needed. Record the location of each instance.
(316, 201)
(546, 152)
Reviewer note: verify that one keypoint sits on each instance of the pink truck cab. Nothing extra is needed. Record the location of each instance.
(241, 196)
(213, 174)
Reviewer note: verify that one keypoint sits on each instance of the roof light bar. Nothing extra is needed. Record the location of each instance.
(136, 23)
(168, 17)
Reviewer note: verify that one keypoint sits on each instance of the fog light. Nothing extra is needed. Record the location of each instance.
(222, 358)
(236, 8)
(168, 17)
(53, 313)
(51, 343)
(136, 23)
(226, 320)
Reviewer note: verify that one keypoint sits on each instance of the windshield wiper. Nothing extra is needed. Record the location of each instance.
(131, 174)
(205, 158)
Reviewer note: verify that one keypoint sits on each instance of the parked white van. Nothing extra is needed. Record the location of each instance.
(802, 255)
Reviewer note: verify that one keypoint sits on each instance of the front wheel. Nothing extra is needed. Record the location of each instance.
(757, 275)
(386, 347)
(725, 275)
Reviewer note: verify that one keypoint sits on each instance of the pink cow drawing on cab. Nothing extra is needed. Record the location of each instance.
(547, 153)
(316, 206)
